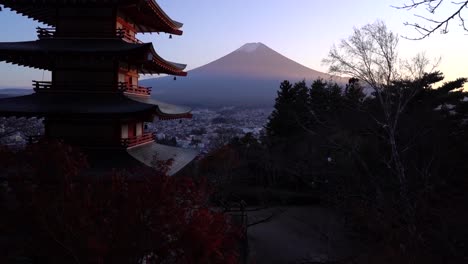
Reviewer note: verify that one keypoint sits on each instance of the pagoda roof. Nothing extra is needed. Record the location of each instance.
(150, 152)
(147, 14)
(62, 104)
(41, 53)
(165, 110)
(145, 18)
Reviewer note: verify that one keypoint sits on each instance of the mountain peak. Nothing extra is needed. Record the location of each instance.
(250, 47)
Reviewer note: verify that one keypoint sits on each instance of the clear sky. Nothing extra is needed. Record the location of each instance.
(303, 30)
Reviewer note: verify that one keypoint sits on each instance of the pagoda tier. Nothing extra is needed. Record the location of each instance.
(147, 154)
(90, 106)
(48, 54)
(166, 111)
(147, 15)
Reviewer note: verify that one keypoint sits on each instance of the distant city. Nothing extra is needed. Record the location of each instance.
(211, 128)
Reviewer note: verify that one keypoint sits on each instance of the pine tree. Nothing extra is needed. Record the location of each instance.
(280, 122)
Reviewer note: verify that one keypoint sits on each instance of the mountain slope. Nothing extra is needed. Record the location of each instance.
(248, 76)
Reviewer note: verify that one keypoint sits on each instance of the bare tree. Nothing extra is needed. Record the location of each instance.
(370, 55)
(436, 24)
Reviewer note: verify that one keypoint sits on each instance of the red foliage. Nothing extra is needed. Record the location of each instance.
(110, 219)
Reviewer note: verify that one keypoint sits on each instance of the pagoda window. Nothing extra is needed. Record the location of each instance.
(124, 133)
(122, 77)
(139, 129)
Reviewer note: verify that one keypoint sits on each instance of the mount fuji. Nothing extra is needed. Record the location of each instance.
(248, 76)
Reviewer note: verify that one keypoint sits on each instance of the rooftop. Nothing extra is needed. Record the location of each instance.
(41, 53)
(148, 15)
(56, 104)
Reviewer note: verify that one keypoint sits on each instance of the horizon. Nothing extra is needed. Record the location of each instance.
(219, 28)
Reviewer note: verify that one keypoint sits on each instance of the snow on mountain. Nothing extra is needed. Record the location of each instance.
(250, 47)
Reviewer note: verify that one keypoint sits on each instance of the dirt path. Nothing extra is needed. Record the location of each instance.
(297, 235)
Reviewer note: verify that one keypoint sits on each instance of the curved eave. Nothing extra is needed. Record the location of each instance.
(41, 53)
(156, 64)
(91, 105)
(172, 26)
(33, 10)
(151, 18)
(164, 111)
(150, 153)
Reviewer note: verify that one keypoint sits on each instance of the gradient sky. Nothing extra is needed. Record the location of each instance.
(303, 30)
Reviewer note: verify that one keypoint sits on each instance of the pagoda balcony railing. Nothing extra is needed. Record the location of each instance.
(41, 85)
(134, 89)
(138, 140)
(47, 87)
(45, 33)
(98, 143)
(50, 33)
(125, 35)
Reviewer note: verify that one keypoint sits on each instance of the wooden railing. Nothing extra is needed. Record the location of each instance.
(137, 140)
(45, 33)
(41, 85)
(125, 35)
(97, 143)
(46, 87)
(134, 89)
(49, 33)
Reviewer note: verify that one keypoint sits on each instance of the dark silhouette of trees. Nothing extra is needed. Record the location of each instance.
(281, 121)
(370, 55)
(349, 162)
(435, 23)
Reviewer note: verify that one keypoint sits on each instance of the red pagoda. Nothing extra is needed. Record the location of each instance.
(93, 100)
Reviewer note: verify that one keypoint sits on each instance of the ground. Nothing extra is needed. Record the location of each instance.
(308, 234)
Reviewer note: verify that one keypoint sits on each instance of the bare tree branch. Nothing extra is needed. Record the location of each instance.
(432, 7)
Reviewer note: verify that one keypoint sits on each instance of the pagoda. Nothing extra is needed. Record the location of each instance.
(93, 99)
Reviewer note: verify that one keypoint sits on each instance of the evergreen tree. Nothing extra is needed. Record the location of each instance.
(280, 122)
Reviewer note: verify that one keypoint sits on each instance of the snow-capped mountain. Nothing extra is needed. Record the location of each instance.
(249, 75)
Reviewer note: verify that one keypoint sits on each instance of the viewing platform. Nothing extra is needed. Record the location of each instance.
(49, 87)
(51, 33)
(124, 142)
(135, 89)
